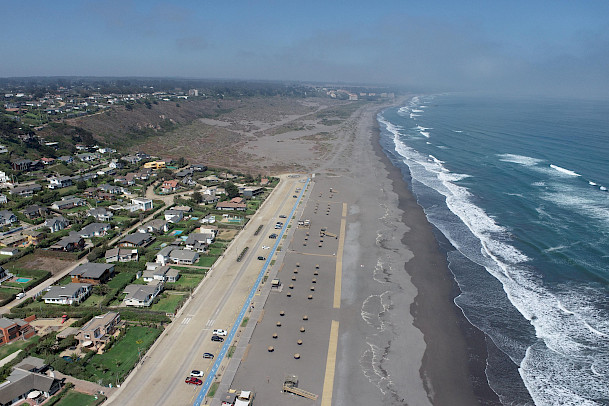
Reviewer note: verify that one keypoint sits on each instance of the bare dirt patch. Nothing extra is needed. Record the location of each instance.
(34, 261)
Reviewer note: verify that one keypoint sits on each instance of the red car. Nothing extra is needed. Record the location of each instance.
(194, 381)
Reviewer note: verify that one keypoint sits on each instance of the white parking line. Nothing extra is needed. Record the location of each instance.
(186, 320)
(210, 323)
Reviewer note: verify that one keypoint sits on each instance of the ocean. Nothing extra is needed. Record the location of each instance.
(519, 188)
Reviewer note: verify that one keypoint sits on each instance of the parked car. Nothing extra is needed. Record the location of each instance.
(261, 258)
(217, 338)
(273, 235)
(193, 381)
(208, 355)
(294, 196)
(265, 247)
(219, 332)
(196, 373)
(282, 216)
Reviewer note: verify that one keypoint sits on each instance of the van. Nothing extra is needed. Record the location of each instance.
(20, 295)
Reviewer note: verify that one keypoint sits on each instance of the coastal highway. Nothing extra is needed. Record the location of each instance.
(159, 378)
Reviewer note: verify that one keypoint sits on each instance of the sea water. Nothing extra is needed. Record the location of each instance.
(519, 188)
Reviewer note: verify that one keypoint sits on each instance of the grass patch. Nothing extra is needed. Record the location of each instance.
(213, 388)
(207, 261)
(8, 349)
(168, 303)
(73, 398)
(231, 351)
(119, 279)
(188, 281)
(93, 300)
(116, 363)
(244, 322)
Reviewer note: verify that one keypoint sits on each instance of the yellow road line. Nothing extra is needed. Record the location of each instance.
(338, 276)
(344, 209)
(326, 397)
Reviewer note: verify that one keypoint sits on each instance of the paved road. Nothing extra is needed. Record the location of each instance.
(216, 303)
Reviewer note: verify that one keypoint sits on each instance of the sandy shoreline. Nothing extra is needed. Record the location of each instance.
(401, 338)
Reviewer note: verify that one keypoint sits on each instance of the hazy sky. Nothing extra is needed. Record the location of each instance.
(546, 47)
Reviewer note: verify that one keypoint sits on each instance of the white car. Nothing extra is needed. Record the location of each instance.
(219, 332)
(196, 373)
(265, 247)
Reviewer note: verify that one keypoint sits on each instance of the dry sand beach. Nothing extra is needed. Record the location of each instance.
(399, 336)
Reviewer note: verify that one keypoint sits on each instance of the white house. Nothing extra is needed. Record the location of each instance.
(141, 295)
(67, 294)
(142, 204)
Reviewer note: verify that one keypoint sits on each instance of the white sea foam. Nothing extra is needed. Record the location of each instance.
(458, 131)
(564, 171)
(421, 128)
(417, 111)
(571, 333)
(519, 159)
(591, 183)
(424, 134)
(538, 184)
(412, 115)
(604, 189)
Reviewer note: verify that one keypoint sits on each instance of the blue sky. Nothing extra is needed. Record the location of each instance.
(544, 47)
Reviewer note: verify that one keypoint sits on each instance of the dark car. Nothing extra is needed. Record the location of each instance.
(208, 355)
(217, 338)
(273, 235)
(193, 381)
(282, 216)
(261, 258)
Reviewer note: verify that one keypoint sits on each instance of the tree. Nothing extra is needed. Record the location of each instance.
(231, 189)
(197, 197)
(81, 185)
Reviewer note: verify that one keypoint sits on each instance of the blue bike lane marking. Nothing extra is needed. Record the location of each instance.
(229, 338)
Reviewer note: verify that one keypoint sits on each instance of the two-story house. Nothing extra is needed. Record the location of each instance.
(72, 293)
(92, 273)
(58, 182)
(100, 214)
(98, 330)
(56, 223)
(121, 255)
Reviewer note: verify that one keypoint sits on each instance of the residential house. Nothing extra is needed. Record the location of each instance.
(116, 164)
(184, 209)
(209, 219)
(92, 273)
(8, 251)
(23, 386)
(106, 150)
(3, 199)
(163, 255)
(87, 156)
(155, 165)
(253, 191)
(161, 273)
(69, 243)
(209, 230)
(172, 275)
(144, 174)
(94, 230)
(183, 257)
(47, 161)
(231, 206)
(26, 190)
(210, 199)
(169, 186)
(127, 180)
(21, 164)
(173, 216)
(142, 295)
(68, 203)
(199, 168)
(66, 159)
(3, 149)
(58, 182)
(4, 178)
(100, 214)
(4, 274)
(156, 226)
(185, 172)
(121, 255)
(13, 329)
(111, 189)
(33, 236)
(98, 330)
(198, 241)
(34, 211)
(132, 159)
(136, 240)
(7, 217)
(72, 293)
(56, 223)
(142, 204)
